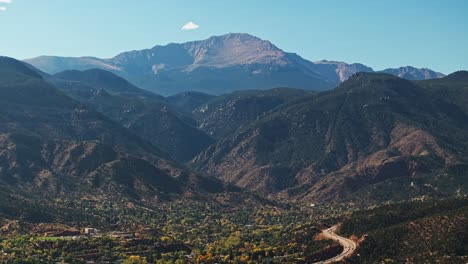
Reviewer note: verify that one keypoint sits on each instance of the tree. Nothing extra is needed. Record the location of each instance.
(135, 260)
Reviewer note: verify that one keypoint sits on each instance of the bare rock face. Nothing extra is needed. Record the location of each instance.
(412, 73)
(235, 49)
(340, 71)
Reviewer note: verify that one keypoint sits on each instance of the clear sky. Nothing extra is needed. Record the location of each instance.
(378, 33)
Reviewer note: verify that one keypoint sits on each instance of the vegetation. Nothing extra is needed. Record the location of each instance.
(143, 113)
(225, 114)
(179, 232)
(374, 132)
(377, 139)
(416, 232)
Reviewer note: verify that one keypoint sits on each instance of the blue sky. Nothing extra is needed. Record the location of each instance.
(378, 33)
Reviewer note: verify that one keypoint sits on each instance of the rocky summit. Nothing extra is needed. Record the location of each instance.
(220, 64)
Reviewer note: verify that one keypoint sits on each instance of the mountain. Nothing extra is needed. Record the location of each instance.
(374, 138)
(452, 88)
(189, 101)
(53, 147)
(411, 73)
(217, 65)
(340, 71)
(225, 114)
(142, 112)
(107, 81)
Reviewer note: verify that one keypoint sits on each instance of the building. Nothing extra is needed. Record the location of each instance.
(91, 231)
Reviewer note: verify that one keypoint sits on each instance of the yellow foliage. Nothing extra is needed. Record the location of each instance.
(291, 245)
(135, 260)
(165, 239)
(257, 249)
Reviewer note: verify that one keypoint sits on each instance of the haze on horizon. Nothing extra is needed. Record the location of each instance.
(378, 34)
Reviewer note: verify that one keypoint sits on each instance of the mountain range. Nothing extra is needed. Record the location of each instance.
(221, 64)
(230, 150)
(55, 147)
(145, 114)
(258, 170)
(375, 137)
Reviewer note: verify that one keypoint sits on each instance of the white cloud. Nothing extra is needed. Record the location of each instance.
(189, 26)
(4, 8)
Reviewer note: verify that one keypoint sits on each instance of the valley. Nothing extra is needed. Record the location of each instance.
(230, 150)
(267, 172)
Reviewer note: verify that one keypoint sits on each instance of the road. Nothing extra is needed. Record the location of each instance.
(349, 246)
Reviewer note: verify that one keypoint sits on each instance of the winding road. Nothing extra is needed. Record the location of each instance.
(349, 246)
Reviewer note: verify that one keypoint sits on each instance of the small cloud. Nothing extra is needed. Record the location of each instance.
(189, 26)
(4, 8)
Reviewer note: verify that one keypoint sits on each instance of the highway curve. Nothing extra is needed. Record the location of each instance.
(349, 246)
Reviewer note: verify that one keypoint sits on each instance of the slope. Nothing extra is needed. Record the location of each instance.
(218, 65)
(227, 113)
(52, 146)
(145, 114)
(415, 232)
(373, 129)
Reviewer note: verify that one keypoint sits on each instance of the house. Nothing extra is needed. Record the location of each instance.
(91, 231)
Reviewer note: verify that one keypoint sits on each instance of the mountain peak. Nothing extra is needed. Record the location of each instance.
(412, 73)
(221, 64)
(234, 49)
(10, 66)
(458, 75)
(238, 36)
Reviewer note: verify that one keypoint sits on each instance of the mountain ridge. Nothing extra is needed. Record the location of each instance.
(373, 128)
(53, 146)
(142, 112)
(219, 64)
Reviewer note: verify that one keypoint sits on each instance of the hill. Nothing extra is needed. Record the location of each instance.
(145, 114)
(416, 232)
(189, 101)
(52, 147)
(222, 115)
(375, 137)
(452, 88)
